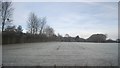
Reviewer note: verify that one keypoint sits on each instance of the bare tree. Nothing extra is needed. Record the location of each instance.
(11, 28)
(97, 38)
(33, 23)
(48, 31)
(67, 35)
(0, 15)
(6, 13)
(42, 24)
(19, 29)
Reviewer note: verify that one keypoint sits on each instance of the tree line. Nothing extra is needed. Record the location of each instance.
(37, 30)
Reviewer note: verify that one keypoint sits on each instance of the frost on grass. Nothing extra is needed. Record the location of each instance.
(61, 54)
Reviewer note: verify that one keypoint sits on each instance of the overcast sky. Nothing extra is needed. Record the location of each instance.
(65, 0)
(73, 18)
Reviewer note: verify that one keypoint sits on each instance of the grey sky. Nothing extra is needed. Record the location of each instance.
(73, 18)
(65, 0)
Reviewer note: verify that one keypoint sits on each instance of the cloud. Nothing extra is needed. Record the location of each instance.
(65, 0)
(20, 14)
(83, 18)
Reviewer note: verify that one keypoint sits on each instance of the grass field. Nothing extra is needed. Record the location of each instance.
(61, 54)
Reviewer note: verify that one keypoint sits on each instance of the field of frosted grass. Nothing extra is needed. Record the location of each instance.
(61, 54)
(0, 55)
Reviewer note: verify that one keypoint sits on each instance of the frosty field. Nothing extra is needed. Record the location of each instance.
(0, 55)
(61, 54)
